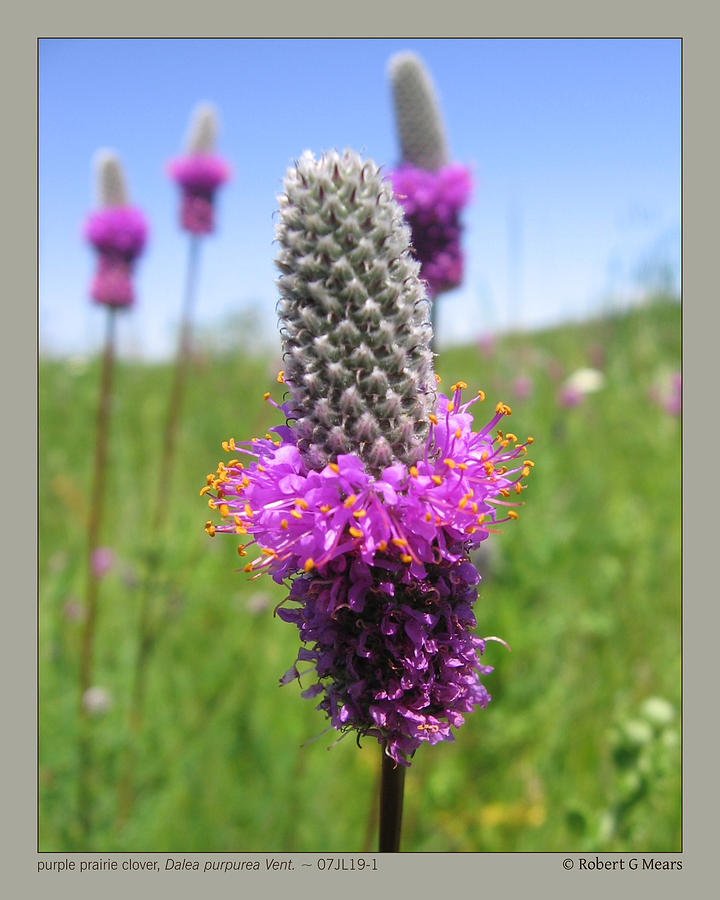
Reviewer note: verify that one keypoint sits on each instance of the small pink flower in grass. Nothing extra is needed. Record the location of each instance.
(522, 387)
(118, 232)
(199, 173)
(569, 396)
(486, 344)
(103, 559)
(578, 385)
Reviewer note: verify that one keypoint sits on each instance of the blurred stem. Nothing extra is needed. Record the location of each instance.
(87, 647)
(372, 814)
(147, 626)
(392, 782)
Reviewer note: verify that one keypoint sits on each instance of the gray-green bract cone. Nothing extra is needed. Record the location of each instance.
(417, 113)
(354, 315)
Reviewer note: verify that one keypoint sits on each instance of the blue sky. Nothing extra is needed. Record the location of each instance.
(575, 146)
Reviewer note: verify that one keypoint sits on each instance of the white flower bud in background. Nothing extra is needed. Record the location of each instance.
(421, 131)
(96, 701)
(203, 131)
(110, 180)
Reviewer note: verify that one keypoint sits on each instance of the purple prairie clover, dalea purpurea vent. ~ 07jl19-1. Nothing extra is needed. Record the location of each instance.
(370, 497)
(118, 232)
(199, 173)
(432, 190)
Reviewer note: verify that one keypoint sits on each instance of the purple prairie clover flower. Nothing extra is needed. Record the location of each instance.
(199, 173)
(370, 497)
(432, 190)
(401, 667)
(433, 202)
(404, 518)
(118, 233)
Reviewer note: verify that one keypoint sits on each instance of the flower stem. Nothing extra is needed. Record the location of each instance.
(392, 782)
(87, 650)
(147, 624)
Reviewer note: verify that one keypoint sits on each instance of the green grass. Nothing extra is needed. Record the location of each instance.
(585, 587)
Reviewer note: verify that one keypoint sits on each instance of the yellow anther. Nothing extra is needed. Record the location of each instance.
(260, 468)
(309, 564)
(241, 550)
(463, 503)
(433, 418)
(382, 545)
(248, 567)
(210, 528)
(525, 472)
(234, 464)
(483, 456)
(528, 462)
(499, 435)
(248, 511)
(240, 529)
(450, 463)
(438, 379)
(268, 436)
(399, 542)
(209, 478)
(481, 395)
(325, 508)
(462, 466)
(284, 524)
(504, 492)
(489, 468)
(406, 558)
(350, 500)
(211, 503)
(474, 507)
(437, 479)
(268, 551)
(531, 440)
(413, 471)
(458, 433)
(281, 376)
(355, 532)
(428, 517)
(245, 482)
(461, 386)
(481, 518)
(518, 488)
(266, 395)
(301, 503)
(503, 409)
(225, 446)
(205, 490)
(224, 510)
(503, 444)
(295, 514)
(360, 513)
(512, 514)
(451, 407)
(238, 488)
(335, 467)
(502, 470)
(510, 436)
(471, 529)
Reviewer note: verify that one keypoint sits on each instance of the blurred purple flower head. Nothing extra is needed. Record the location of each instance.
(199, 173)
(673, 400)
(103, 559)
(118, 232)
(73, 610)
(433, 202)
(569, 396)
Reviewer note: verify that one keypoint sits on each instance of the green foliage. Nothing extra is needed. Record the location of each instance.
(585, 587)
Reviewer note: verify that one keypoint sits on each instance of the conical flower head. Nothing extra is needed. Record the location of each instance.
(202, 134)
(417, 113)
(110, 180)
(353, 315)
